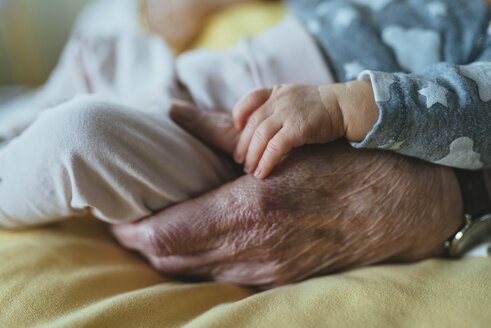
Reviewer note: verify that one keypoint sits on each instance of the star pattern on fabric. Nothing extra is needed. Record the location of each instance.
(462, 155)
(415, 48)
(353, 69)
(323, 9)
(344, 17)
(374, 4)
(434, 94)
(481, 74)
(436, 9)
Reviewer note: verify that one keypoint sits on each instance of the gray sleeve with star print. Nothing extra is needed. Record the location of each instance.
(442, 115)
(430, 66)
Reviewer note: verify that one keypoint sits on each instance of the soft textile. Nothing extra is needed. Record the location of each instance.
(90, 155)
(115, 154)
(73, 274)
(430, 66)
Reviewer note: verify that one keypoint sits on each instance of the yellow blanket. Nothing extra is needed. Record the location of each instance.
(73, 274)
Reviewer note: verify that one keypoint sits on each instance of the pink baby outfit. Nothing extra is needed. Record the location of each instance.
(101, 142)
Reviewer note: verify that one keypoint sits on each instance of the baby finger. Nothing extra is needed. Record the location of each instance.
(263, 134)
(277, 147)
(245, 139)
(247, 105)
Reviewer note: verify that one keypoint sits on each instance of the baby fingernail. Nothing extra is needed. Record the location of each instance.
(258, 174)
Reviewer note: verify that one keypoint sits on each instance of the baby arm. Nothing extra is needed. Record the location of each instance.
(275, 120)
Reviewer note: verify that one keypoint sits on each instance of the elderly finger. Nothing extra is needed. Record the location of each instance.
(205, 264)
(215, 129)
(247, 105)
(218, 266)
(130, 235)
(192, 226)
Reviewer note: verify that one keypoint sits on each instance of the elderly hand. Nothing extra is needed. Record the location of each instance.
(325, 208)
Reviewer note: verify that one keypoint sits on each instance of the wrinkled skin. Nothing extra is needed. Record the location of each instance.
(324, 208)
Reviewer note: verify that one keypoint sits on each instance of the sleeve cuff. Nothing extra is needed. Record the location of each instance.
(391, 123)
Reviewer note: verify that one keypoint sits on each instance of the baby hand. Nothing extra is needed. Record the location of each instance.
(275, 120)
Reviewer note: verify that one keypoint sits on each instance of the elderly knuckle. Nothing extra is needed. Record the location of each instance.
(158, 242)
(249, 201)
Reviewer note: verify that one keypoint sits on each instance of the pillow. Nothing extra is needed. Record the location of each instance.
(226, 28)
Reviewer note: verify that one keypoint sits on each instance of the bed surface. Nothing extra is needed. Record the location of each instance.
(73, 274)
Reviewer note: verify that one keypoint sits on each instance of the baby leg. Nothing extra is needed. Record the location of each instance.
(91, 156)
(134, 68)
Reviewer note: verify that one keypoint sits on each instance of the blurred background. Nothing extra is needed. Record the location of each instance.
(32, 35)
